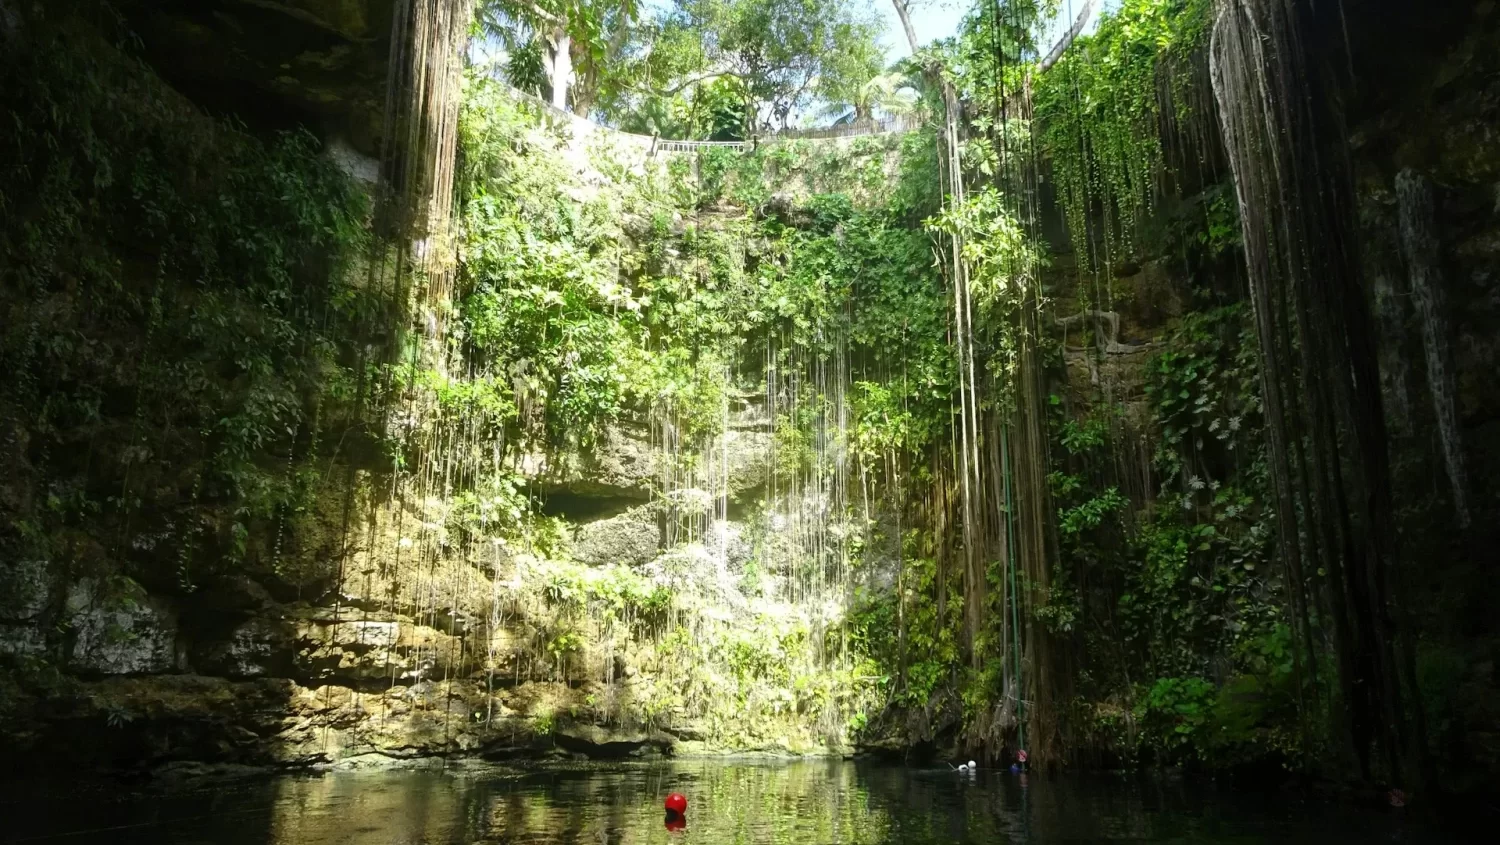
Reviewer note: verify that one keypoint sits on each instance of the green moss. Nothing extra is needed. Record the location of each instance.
(181, 317)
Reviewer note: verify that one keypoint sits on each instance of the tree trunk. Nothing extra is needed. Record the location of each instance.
(562, 66)
(1067, 39)
(905, 16)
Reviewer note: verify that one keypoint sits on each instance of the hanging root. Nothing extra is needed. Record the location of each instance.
(1107, 342)
(1285, 140)
(1419, 246)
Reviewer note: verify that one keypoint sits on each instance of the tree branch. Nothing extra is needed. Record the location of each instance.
(686, 83)
(542, 14)
(1062, 43)
(905, 16)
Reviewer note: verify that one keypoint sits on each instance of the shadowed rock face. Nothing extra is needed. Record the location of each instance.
(149, 721)
(596, 741)
(631, 538)
(275, 63)
(119, 629)
(625, 465)
(286, 686)
(24, 589)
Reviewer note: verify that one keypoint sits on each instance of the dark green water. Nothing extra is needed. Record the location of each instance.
(818, 803)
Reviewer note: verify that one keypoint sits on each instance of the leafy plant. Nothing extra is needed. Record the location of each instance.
(1105, 106)
(183, 312)
(1175, 712)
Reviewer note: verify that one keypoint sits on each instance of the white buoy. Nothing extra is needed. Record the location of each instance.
(973, 765)
(963, 767)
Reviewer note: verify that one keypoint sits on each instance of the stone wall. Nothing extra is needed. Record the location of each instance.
(1436, 120)
(321, 63)
(400, 652)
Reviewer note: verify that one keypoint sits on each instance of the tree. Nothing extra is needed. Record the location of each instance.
(605, 55)
(715, 111)
(583, 44)
(893, 92)
(784, 52)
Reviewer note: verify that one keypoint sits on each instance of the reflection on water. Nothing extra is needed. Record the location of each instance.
(730, 802)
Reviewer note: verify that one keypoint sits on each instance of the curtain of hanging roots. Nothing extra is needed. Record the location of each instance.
(412, 265)
(1325, 427)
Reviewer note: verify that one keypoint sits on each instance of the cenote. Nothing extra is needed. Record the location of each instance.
(730, 802)
(554, 404)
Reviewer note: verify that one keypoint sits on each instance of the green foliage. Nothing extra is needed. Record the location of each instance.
(858, 168)
(782, 51)
(991, 61)
(1003, 266)
(1204, 389)
(181, 319)
(1089, 514)
(1204, 587)
(1178, 589)
(1251, 715)
(675, 97)
(1105, 105)
(915, 195)
(715, 166)
(572, 322)
(1221, 228)
(1090, 520)
(655, 296)
(1003, 258)
(526, 67)
(885, 425)
(564, 644)
(602, 38)
(543, 724)
(917, 670)
(545, 313)
(1174, 712)
(719, 107)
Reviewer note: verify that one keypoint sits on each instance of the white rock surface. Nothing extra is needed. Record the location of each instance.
(118, 629)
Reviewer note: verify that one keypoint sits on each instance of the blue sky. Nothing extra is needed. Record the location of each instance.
(933, 19)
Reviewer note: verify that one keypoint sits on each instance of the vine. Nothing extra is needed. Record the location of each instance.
(1104, 108)
(124, 207)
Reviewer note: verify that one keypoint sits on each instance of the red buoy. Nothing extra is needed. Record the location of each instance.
(677, 803)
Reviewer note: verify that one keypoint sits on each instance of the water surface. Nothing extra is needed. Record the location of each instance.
(818, 803)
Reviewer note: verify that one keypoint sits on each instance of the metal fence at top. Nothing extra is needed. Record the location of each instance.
(655, 144)
(854, 128)
(663, 145)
